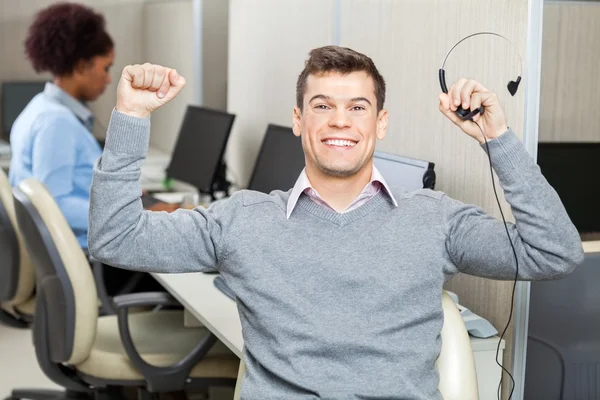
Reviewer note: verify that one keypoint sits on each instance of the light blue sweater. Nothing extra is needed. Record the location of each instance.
(51, 141)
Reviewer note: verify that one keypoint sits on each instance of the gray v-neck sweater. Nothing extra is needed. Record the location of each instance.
(335, 306)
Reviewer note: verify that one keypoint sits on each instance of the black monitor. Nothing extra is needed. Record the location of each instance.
(198, 154)
(570, 169)
(15, 96)
(280, 161)
(405, 172)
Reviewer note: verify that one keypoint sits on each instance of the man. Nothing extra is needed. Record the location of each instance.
(338, 280)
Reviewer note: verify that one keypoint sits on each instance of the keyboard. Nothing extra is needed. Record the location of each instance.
(222, 286)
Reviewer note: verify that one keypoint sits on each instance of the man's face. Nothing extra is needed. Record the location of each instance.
(339, 123)
(94, 76)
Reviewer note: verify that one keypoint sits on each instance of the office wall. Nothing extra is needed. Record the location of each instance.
(570, 64)
(170, 40)
(154, 31)
(268, 43)
(170, 45)
(269, 40)
(124, 22)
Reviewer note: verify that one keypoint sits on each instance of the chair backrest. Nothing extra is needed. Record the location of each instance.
(67, 308)
(17, 277)
(455, 364)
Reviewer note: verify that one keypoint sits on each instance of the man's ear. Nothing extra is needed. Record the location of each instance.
(382, 124)
(297, 119)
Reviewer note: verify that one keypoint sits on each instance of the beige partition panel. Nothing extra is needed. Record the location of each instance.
(570, 84)
(169, 40)
(170, 37)
(268, 43)
(408, 41)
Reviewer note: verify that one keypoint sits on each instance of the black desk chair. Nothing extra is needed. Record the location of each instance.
(17, 276)
(90, 355)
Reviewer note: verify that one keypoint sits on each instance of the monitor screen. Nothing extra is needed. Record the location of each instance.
(280, 161)
(570, 169)
(404, 172)
(15, 96)
(200, 146)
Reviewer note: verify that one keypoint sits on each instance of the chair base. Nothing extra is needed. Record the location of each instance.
(12, 321)
(42, 394)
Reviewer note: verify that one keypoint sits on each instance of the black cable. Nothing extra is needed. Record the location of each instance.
(512, 298)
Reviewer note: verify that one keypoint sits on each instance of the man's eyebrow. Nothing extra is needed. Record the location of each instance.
(357, 99)
(320, 96)
(327, 98)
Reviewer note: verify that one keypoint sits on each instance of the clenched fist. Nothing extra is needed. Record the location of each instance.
(144, 88)
(471, 94)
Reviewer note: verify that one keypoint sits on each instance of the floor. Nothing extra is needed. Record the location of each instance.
(19, 368)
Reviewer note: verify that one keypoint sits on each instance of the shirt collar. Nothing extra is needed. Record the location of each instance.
(82, 113)
(302, 183)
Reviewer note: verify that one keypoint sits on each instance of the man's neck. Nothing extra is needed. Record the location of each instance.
(339, 193)
(69, 85)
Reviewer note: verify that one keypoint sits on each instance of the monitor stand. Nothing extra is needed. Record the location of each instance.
(220, 183)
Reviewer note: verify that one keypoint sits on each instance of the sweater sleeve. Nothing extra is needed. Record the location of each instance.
(546, 242)
(123, 234)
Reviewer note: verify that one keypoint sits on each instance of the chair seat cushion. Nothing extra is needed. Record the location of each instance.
(26, 308)
(161, 340)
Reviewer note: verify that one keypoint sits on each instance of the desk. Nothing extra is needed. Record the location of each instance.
(219, 314)
(205, 302)
(591, 246)
(154, 172)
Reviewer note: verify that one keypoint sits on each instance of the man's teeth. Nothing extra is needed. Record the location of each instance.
(347, 143)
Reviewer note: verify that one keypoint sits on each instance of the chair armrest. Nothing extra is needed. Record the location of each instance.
(145, 299)
(159, 379)
(98, 271)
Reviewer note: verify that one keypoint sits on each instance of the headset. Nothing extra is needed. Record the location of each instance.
(512, 86)
(465, 115)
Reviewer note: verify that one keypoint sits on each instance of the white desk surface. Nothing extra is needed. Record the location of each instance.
(203, 300)
(156, 159)
(592, 246)
(219, 313)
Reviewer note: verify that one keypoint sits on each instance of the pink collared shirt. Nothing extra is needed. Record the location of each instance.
(371, 189)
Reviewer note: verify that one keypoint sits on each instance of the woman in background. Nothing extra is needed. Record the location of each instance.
(51, 140)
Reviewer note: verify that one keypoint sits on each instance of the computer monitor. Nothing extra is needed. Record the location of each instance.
(198, 154)
(280, 161)
(570, 169)
(15, 96)
(405, 172)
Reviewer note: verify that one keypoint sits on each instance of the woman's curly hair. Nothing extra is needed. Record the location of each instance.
(64, 34)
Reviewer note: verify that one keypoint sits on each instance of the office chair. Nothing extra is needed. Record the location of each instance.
(17, 277)
(90, 355)
(455, 364)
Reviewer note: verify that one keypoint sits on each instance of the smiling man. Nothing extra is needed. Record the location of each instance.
(339, 279)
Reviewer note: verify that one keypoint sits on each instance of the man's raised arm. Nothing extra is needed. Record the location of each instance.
(121, 233)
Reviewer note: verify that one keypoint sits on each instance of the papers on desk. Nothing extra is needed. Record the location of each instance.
(170, 197)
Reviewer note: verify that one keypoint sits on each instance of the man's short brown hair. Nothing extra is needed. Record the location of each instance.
(342, 60)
